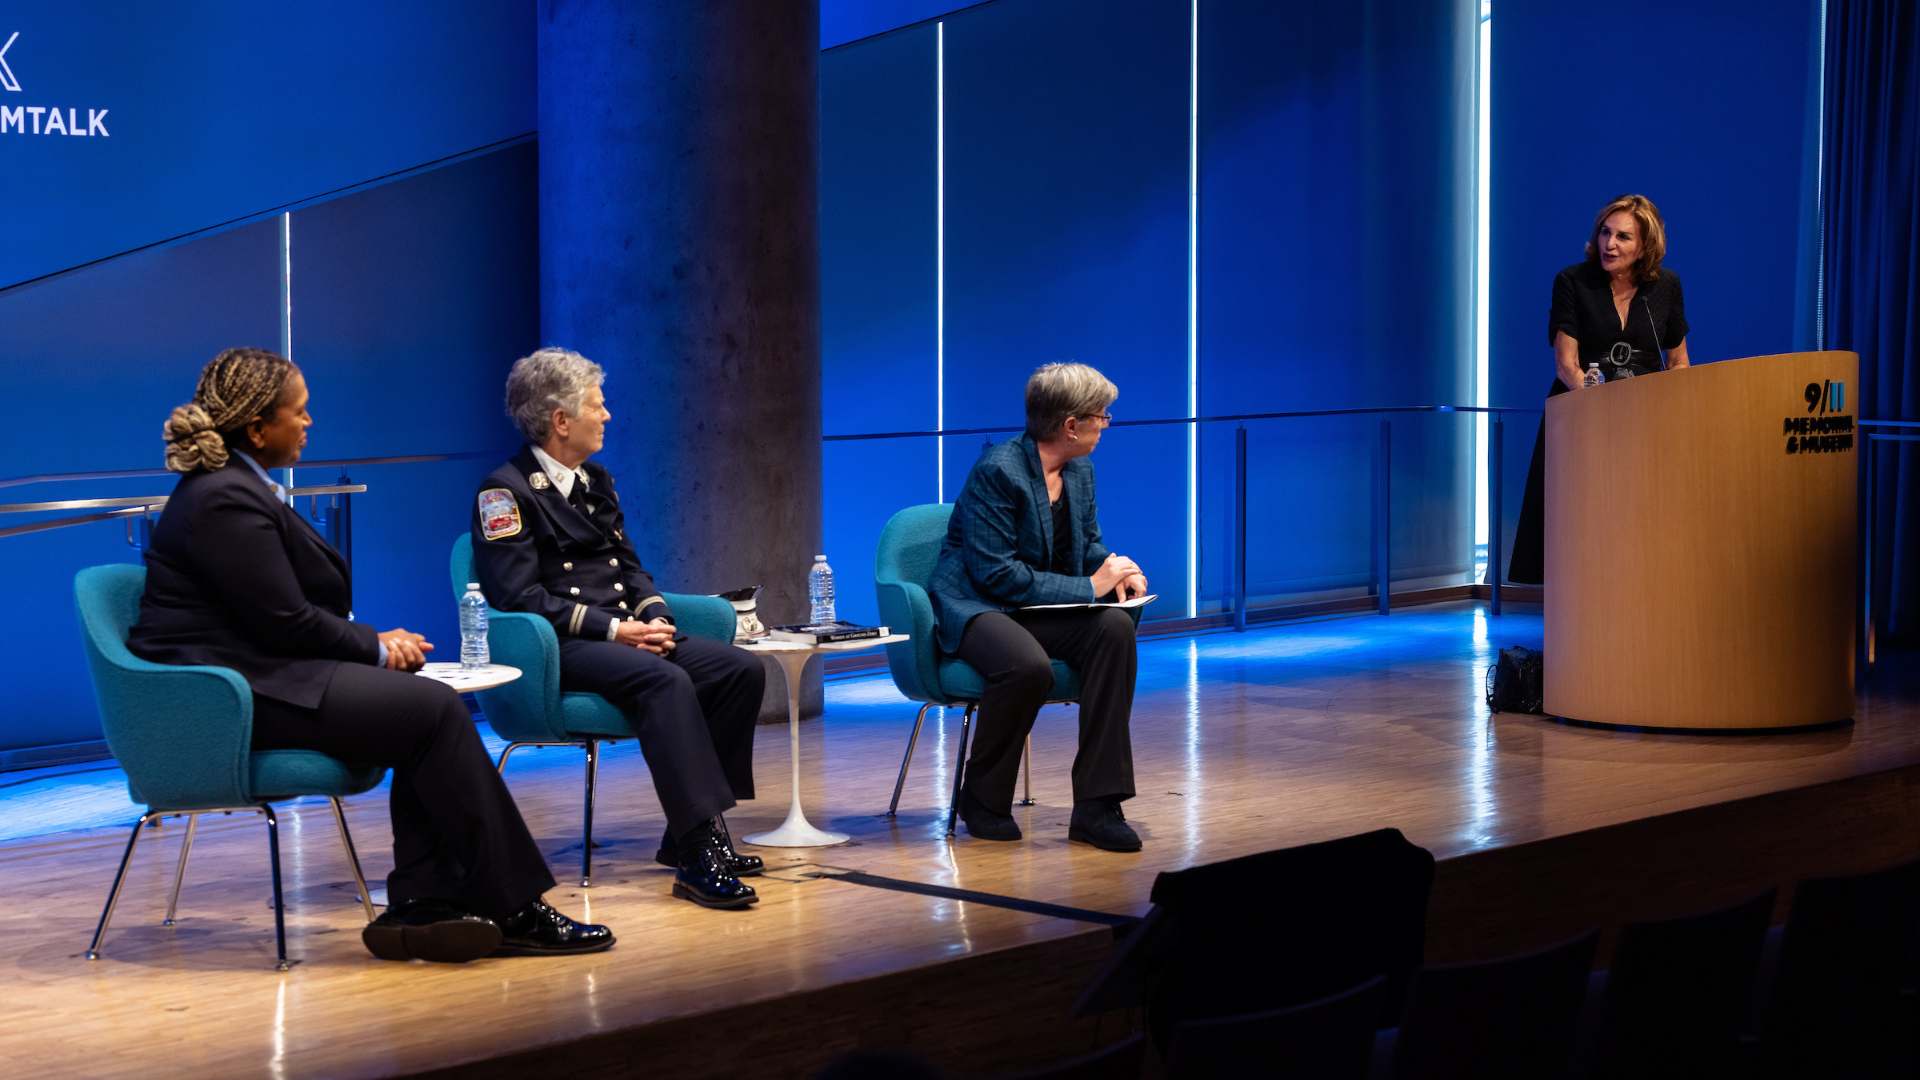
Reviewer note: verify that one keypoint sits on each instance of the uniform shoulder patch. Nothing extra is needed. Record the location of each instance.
(499, 514)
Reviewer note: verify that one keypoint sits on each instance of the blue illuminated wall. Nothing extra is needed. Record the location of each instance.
(1333, 158)
(1706, 107)
(217, 109)
(411, 294)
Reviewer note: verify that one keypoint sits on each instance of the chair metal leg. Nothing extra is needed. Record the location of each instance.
(353, 857)
(586, 838)
(180, 869)
(959, 769)
(1026, 774)
(279, 900)
(119, 879)
(506, 753)
(901, 783)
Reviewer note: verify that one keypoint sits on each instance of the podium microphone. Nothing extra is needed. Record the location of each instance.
(1656, 333)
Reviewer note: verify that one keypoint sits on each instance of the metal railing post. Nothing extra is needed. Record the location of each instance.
(1240, 529)
(1383, 518)
(340, 522)
(1496, 448)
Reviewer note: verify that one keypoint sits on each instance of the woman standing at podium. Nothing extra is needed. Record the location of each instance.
(1618, 312)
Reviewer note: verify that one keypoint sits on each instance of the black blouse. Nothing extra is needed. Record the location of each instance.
(1062, 535)
(1583, 307)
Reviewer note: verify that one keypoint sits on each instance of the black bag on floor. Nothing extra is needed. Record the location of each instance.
(1513, 682)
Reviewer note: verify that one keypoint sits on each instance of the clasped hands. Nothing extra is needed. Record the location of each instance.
(656, 636)
(406, 650)
(1121, 576)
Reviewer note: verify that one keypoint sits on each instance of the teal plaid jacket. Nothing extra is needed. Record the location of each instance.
(1000, 539)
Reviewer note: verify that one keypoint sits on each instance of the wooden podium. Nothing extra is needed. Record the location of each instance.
(1700, 555)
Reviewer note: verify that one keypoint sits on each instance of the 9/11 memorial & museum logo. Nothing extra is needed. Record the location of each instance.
(43, 119)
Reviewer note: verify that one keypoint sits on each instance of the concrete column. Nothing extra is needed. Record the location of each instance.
(679, 248)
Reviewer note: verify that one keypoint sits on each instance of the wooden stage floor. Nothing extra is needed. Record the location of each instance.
(1284, 735)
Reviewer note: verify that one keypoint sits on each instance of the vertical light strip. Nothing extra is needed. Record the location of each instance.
(1820, 196)
(1193, 309)
(286, 285)
(1482, 266)
(286, 302)
(940, 259)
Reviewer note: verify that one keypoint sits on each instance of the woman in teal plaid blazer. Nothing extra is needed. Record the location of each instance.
(1024, 532)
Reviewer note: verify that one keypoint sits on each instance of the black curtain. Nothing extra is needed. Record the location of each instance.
(1871, 262)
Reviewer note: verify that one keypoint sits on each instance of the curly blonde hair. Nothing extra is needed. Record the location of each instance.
(236, 388)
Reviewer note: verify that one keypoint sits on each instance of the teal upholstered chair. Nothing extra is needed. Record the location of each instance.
(901, 566)
(184, 736)
(533, 711)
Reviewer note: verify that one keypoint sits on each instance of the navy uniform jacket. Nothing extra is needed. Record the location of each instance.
(533, 551)
(1000, 540)
(238, 579)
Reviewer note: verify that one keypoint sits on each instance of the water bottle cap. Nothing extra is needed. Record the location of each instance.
(474, 586)
(819, 558)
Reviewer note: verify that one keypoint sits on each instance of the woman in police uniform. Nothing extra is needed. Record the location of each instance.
(238, 579)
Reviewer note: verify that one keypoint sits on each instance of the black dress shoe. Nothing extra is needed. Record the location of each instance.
(1099, 822)
(737, 864)
(703, 877)
(983, 823)
(539, 930)
(430, 930)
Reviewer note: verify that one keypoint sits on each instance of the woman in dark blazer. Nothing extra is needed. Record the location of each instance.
(1619, 312)
(238, 579)
(1024, 532)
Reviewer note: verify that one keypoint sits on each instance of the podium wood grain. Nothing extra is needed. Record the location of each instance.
(1698, 575)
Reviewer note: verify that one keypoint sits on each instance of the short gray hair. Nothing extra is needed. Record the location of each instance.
(1056, 392)
(546, 380)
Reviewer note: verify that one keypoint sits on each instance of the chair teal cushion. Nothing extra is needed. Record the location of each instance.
(533, 708)
(284, 774)
(590, 714)
(183, 732)
(909, 545)
(962, 683)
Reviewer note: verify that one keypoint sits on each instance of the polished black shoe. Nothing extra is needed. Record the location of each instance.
(737, 864)
(539, 930)
(1099, 822)
(985, 824)
(703, 876)
(430, 930)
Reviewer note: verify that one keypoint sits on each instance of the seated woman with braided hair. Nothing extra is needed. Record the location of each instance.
(237, 578)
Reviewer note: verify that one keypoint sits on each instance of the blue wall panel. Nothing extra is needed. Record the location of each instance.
(878, 236)
(93, 362)
(878, 243)
(410, 302)
(862, 485)
(1334, 272)
(1066, 234)
(223, 108)
(1708, 112)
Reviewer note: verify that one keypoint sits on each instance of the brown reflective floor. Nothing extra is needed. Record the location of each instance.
(1242, 743)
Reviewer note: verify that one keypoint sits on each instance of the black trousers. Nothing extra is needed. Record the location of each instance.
(1011, 652)
(694, 710)
(457, 835)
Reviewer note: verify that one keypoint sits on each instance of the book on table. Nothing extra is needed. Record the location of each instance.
(826, 633)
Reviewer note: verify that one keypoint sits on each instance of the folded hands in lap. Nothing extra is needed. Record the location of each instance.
(406, 650)
(656, 636)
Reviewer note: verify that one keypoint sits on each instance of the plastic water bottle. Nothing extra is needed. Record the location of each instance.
(820, 592)
(473, 628)
(1594, 376)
